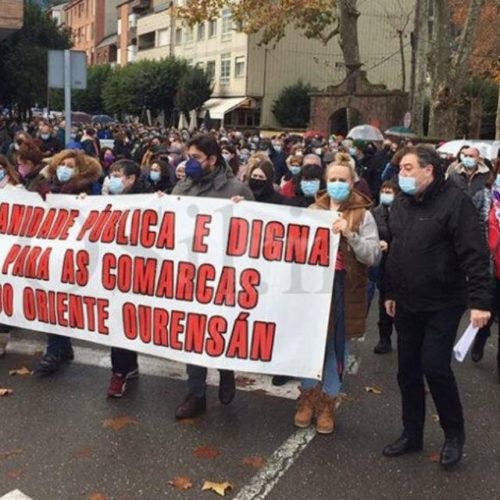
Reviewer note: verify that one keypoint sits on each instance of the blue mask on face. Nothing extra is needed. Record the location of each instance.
(294, 169)
(155, 176)
(194, 169)
(64, 173)
(468, 162)
(497, 180)
(386, 199)
(310, 188)
(2, 174)
(352, 151)
(408, 185)
(338, 190)
(115, 185)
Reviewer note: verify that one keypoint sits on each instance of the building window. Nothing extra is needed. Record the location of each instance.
(239, 67)
(188, 36)
(201, 32)
(225, 68)
(211, 70)
(178, 36)
(119, 27)
(162, 38)
(227, 24)
(212, 28)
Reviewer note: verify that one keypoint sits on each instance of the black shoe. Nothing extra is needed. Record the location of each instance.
(279, 380)
(478, 349)
(402, 446)
(452, 450)
(191, 407)
(383, 347)
(227, 387)
(51, 362)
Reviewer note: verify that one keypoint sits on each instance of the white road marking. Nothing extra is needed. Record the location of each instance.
(150, 365)
(15, 495)
(281, 460)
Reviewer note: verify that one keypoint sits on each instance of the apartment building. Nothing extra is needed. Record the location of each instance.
(248, 77)
(58, 13)
(91, 22)
(11, 17)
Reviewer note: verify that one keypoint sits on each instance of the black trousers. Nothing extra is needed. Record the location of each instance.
(425, 345)
(123, 360)
(385, 322)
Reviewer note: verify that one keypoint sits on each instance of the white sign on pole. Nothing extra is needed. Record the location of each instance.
(56, 69)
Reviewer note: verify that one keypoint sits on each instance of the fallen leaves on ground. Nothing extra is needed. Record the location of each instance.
(219, 488)
(435, 418)
(206, 452)
(98, 496)
(244, 381)
(82, 453)
(255, 461)
(4, 455)
(434, 457)
(374, 389)
(119, 423)
(23, 372)
(181, 483)
(5, 392)
(14, 474)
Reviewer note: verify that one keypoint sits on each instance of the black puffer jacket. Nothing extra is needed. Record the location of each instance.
(438, 257)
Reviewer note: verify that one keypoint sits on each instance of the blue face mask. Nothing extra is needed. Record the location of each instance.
(468, 162)
(278, 148)
(386, 199)
(64, 173)
(2, 174)
(155, 176)
(294, 169)
(115, 185)
(408, 185)
(352, 151)
(338, 190)
(310, 188)
(45, 136)
(194, 169)
(497, 180)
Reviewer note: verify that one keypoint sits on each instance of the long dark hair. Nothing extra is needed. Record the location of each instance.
(207, 144)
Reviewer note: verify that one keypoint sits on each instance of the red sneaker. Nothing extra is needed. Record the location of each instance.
(118, 383)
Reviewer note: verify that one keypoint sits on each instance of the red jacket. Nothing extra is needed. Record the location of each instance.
(494, 238)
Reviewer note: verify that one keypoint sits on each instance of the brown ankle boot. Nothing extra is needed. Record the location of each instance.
(305, 410)
(325, 413)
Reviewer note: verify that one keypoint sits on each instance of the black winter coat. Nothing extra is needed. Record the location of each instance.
(438, 257)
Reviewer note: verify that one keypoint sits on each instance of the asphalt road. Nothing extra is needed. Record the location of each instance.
(60, 438)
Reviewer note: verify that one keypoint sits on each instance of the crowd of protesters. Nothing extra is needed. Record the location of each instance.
(383, 196)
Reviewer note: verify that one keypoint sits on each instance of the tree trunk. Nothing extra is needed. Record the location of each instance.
(449, 66)
(475, 118)
(403, 61)
(421, 41)
(348, 39)
(497, 134)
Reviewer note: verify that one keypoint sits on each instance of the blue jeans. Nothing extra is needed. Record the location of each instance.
(331, 382)
(57, 343)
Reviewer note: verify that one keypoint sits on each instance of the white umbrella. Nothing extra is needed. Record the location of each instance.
(182, 122)
(487, 149)
(453, 147)
(193, 121)
(365, 133)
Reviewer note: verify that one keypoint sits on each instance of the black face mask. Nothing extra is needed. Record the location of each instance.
(256, 185)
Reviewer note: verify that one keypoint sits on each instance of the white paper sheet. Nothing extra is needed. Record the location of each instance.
(464, 344)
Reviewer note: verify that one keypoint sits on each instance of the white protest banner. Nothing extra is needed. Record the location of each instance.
(243, 286)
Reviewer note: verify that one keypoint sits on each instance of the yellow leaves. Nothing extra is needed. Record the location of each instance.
(206, 452)
(5, 392)
(22, 372)
(119, 423)
(374, 389)
(256, 462)
(97, 496)
(5, 455)
(181, 483)
(219, 488)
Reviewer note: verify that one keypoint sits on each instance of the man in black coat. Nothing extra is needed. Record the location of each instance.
(437, 267)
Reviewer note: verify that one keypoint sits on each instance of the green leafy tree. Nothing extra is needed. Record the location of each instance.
(143, 85)
(195, 88)
(23, 58)
(292, 107)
